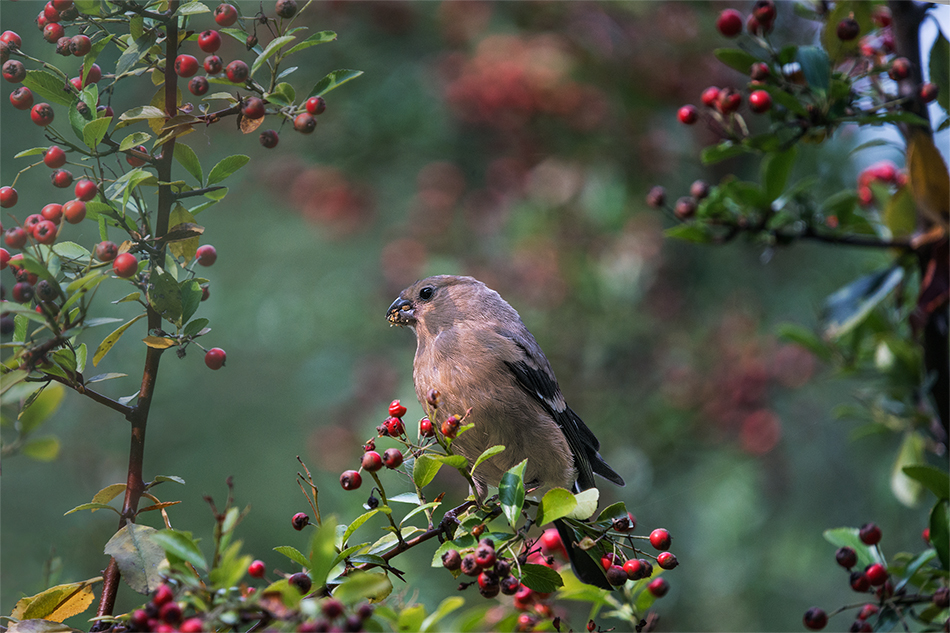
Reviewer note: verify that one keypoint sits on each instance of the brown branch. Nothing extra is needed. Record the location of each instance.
(95, 395)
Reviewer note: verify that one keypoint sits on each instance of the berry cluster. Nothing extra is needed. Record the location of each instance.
(163, 614)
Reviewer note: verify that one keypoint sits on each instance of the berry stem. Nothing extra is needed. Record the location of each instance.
(389, 515)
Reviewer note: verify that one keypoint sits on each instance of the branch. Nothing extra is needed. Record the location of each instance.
(98, 397)
(197, 192)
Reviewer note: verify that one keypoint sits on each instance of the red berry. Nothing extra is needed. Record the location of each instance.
(14, 71)
(396, 409)
(846, 557)
(256, 569)
(62, 46)
(658, 587)
(93, 75)
(928, 92)
(687, 115)
(900, 69)
(451, 560)
(22, 292)
(52, 32)
(301, 581)
(729, 23)
(225, 14)
(331, 608)
(41, 21)
(4, 258)
(815, 619)
(859, 581)
(51, 13)
(54, 157)
(394, 427)
(300, 521)
(163, 595)
(44, 232)
(351, 480)
(135, 161)
(551, 542)
(755, 27)
(237, 72)
(425, 428)
(485, 556)
(867, 611)
(392, 458)
(877, 574)
(15, 237)
(848, 29)
(253, 108)
(305, 123)
(685, 208)
(22, 98)
(269, 139)
(186, 65)
(609, 559)
(372, 461)
(881, 15)
(11, 39)
(729, 101)
(106, 251)
(925, 534)
(86, 189)
(125, 265)
(8, 197)
(209, 41)
(31, 221)
(710, 96)
(62, 178)
(80, 45)
(633, 569)
(213, 64)
(660, 539)
(198, 86)
(206, 255)
(215, 357)
(870, 534)
(316, 105)
(286, 8)
(469, 567)
(42, 114)
(764, 11)
(760, 101)
(75, 211)
(191, 625)
(170, 613)
(759, 71)
(667, 560)
(450, 427)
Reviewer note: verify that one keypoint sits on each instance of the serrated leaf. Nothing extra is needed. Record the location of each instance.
(363, 586)
(586, 504)
(424, 470)
(190, 299)
(111, 340)
(56, 603)
(333, 80)
(172, 478)
(194, 327)
(134, 140)
(138, 556)
(511, 492)
(555, 504)
(71, 250)
(226, 167)
(455, 461)
(108, 493)
(422, 508)
(181, 545)
(488, 452)
(357, 522)
(271, 48)
(143, 113)
(94, 131)
(317, 38)
(134, 53)
(293, 554)
(48, 86)
(193, 8)
(541, 578)
(935, 480)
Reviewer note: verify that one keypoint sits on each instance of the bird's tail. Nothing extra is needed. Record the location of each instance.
(585, 567)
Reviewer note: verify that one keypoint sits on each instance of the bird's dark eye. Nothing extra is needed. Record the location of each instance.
(426, 293)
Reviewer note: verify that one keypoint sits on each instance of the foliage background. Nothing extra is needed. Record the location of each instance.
(514, 142)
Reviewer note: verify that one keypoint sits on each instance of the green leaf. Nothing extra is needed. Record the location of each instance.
(142, 113)
(847, 307)
(816, 66)
(837, 48)
(422, 508)
(906, 489)
(193, 8)
(293, 554)
(226, 167)
(94, 131)
(425, 470)
(89, 7)
(139, 557)
(935, 480)
(489, 452)
(555, 504)
(786, 100)
(736, 59)
(445, 607)
(363, 586)
(111, 340)
(71, 250)
(333, 80)
(698, 233)
(271, 48)
(323, 551)
(775, 171)
(42, 407)
(357, 522)
(317, 38)
(164, 295)
(718, 153)
(134, 140)
(541, 578)
(284, 94)
(455, 461)
(33, 151)
(134, 53)
(48, 86)
(940, 69)
(190, 298)
(182, 546)
(511, 492)
(940, 532)
(194, 327)
(586, 504)
(43, 449)
(92, 506)
(187, 158)
(804, 337)
(848, 537)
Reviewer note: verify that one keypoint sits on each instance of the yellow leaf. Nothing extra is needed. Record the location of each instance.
(928, 178)
(900, 216)
(57, 603)
(159, 342)
(182, 248)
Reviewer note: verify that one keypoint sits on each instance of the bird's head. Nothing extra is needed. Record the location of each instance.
(431, 302)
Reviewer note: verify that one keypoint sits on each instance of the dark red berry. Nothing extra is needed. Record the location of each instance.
(452, 560)
(425, 428)
(658, 587)
(206, 255)
(74, 211)
(15, 237)
(286, 8)
(764, 11)
(633, 569)
(22, 291)
(848, 29)
(215, 358)
(687, 115)
(301, 581)
(305, 123)
(396, 409)
(684, 209)
(656, 197)
(86, 189)
(859, 581)
(106, 251)
(213, 65)
(253, 108)
(846, 557)
(877, 574)
(900, 69)
(256, 569)
(760, 101)
(14, 71)
(815, 619)
(667, 560)
(316, 105)
(269, 139)
(225, 14)
(80, 45)
(351, 480)
(8, 197)
(44, 232)
(469, 567)
(729, 23)
(485, 556)
(300, 521)
(42, 114)
(163, 595)
(372, 461)
(237, 72)
(54, 157)
(616, 576)
(198, 86)
(392, 458)
(509, 585)
(22, 98)
(759, 72)
(870, 534)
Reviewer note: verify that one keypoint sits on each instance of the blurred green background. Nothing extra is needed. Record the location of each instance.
(514, 142)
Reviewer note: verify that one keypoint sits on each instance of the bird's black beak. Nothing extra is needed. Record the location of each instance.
(400, 312)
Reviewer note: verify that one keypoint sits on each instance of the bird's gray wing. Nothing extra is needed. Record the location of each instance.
(535, 376)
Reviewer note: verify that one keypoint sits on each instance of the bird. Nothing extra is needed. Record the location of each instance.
(474, 349)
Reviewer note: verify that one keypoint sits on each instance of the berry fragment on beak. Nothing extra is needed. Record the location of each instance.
(400, 312)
